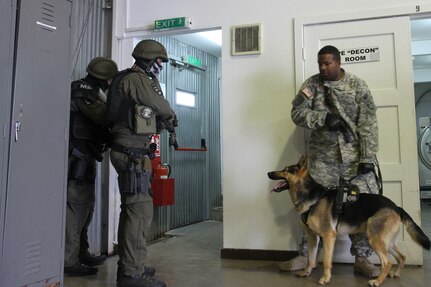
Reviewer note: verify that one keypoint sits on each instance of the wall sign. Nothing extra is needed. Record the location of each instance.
(173, 23)
(359, 55)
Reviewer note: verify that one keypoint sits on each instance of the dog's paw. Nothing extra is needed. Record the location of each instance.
(394, 274)
(374, 283)
(324, 280)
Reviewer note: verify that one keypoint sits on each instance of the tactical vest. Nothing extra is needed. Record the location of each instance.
(81, 127)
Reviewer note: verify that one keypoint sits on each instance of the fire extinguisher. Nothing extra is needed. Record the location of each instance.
(160, 170)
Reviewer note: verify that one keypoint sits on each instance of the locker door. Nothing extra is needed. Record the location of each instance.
(33, 244)
(7, 32)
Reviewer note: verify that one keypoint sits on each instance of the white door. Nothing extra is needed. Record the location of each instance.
(389, 75)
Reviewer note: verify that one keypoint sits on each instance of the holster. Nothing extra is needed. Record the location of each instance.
(79, 164)
(134, 182)
(130, 180)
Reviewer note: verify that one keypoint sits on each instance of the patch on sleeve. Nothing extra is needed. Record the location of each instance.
(307, 92)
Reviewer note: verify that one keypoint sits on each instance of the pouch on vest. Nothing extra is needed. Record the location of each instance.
(145, 120)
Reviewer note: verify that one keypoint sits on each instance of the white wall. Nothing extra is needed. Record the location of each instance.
(257, 132)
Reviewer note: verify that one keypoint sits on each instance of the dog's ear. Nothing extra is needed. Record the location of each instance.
(303, 161)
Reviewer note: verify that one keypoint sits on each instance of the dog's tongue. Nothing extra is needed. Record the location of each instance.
(279, 186)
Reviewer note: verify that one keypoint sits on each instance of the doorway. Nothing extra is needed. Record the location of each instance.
(191, 84)
(421, 55)
(389, 77)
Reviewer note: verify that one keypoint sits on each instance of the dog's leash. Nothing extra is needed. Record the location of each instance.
(345, 186)
(378, 176)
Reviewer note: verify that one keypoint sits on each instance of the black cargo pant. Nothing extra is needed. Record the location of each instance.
(135, 219)
(79, 213)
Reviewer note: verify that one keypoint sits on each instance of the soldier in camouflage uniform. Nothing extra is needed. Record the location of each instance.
(340, 112)
(87, 140)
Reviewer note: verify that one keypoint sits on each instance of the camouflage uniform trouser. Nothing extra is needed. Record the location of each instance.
(366, 184)
(134, 224)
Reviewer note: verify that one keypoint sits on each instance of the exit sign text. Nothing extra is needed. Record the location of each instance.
(173, 23)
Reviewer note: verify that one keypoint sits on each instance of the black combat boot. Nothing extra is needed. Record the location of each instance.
(92, 260)
(80, 270)
(142, 280)
(149, 271)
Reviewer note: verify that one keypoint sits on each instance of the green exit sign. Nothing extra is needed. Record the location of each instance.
(193, 61)
(173, 23)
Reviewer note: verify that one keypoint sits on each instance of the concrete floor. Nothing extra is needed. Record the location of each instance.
(191, 258)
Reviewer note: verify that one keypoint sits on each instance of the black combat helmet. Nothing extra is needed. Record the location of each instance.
(149, 50)
(102, 68)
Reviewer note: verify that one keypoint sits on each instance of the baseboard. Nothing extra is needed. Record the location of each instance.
(257, 254)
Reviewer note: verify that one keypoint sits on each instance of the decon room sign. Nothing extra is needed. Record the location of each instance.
(359, 55)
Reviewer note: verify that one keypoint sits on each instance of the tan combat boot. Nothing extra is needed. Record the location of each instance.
(294, 264)
(365, 267)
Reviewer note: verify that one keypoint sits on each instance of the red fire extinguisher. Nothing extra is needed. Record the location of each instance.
(163, 187)
(161, 170)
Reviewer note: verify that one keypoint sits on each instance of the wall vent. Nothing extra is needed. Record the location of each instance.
(246, 39)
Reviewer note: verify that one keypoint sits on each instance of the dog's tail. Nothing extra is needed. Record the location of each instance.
(414, 230)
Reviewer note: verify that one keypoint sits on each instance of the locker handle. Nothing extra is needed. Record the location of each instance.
(17, 129)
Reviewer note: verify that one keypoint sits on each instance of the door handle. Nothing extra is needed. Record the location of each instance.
(17, 129)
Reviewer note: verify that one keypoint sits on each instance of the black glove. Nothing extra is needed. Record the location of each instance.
(173, 140)
(365, 167)
(151, 151)
(334, 122)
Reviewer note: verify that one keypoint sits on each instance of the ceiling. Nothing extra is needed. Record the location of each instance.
(201, 41)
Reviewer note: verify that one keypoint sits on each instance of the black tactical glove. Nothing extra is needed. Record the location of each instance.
(334, 122)
(365, 167)
(151, 151)
(173, 140)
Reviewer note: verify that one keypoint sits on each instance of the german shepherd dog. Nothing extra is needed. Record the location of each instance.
(375, 215)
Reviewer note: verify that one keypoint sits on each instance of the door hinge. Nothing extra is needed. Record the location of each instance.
(303, 53)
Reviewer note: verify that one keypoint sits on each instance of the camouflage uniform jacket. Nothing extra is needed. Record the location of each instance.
(143, 90)
(355, 105)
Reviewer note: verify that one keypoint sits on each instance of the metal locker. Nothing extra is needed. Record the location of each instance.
(33, 193)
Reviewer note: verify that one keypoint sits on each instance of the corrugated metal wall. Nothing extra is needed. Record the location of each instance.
(90, 27)
(197, 174)
(90, 37)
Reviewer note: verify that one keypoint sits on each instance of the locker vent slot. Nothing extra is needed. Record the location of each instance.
(32, 261)
(246, 39)
(47, 20)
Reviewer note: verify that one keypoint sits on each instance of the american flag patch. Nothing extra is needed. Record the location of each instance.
(307, 92)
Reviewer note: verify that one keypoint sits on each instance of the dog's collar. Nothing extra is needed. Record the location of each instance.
(304, 216)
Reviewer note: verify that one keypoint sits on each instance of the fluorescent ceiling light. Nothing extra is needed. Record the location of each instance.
(214, 36)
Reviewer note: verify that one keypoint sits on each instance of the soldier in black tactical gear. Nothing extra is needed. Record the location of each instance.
(137, 110)
(88, 139)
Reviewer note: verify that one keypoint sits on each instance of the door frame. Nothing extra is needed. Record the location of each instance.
(413, 11)
(300, 24)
